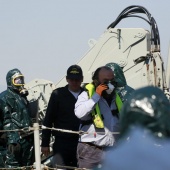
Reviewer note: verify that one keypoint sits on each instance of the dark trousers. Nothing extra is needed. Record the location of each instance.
(64, 153)
(89, 156)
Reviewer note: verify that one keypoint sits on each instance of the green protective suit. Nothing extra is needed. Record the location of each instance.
(121, 87)
(148, 108)
(15, 116)
(2, 141)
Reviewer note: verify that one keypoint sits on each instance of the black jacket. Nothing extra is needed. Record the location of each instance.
(60, 114)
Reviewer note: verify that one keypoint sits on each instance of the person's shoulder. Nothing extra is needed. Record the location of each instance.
(82, 89)
(129, 90)
(83, 94)
(3, 94)
(84, 86)
(60, 90)
(4, 98)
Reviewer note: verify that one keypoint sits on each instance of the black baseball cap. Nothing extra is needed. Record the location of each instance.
(74, 72)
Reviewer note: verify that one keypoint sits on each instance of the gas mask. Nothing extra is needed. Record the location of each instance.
(23, 91)
(18, 82)
(110, 88)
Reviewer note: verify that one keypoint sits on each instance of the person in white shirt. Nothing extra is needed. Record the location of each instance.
(97, 109)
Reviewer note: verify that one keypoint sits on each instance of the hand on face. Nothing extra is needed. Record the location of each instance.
(105, 78)
(101, 88)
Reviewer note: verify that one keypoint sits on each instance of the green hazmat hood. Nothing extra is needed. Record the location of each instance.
(121, 87)
(118, 74)
(147, 107)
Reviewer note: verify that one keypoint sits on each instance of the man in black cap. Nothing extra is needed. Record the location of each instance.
(60, 114)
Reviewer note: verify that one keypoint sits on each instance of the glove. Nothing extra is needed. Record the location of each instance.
(101, 88)
(14, 148)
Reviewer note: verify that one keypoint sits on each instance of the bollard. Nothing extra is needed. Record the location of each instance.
(37, 146)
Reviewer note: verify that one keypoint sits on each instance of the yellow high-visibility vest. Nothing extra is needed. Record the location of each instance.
(96, 115)
(119, 102)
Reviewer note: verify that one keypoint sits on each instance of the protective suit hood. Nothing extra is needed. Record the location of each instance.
(147, 107)
(119, 77)
(121, 87)
(11, 76)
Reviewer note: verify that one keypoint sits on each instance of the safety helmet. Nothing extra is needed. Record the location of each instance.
(15, 79)
(149, 108)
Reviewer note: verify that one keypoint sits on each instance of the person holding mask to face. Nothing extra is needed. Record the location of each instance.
(97, 107)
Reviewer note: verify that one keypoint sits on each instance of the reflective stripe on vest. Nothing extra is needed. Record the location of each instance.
(96, 115)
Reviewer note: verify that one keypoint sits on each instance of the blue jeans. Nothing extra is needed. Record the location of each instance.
(89, 156)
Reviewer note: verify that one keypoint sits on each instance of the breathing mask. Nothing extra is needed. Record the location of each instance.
(110, 88)
(18, 82)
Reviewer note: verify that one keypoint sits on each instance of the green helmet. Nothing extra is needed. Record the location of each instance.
(15, 79)
(147, 107)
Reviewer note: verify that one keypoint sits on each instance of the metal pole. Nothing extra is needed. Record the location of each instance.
(37, 146)
(168, 68)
